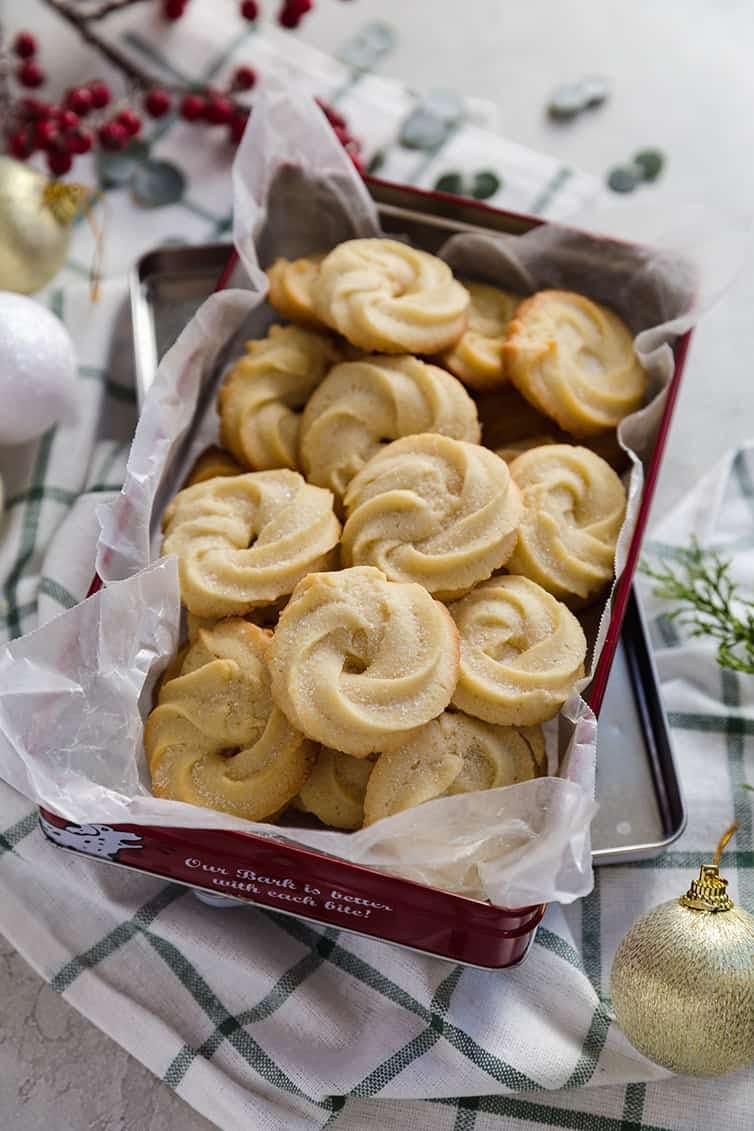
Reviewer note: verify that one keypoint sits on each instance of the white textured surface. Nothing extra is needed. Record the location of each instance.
(59, 1073)
(683, 82)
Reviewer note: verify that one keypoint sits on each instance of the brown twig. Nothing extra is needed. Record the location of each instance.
(137, 75)
(98, 11)
(117, 57)
(5, 94)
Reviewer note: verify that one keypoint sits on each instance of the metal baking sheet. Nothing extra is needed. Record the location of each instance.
(641, 808)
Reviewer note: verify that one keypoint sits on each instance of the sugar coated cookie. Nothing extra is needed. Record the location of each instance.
(211, 464)
(389, 297)
(452, 754)
(291, 292)
(477, 357)
(261, 398)
(575, 361)
(574, 506)
(216, 738)
(364, 404)
(358, 661)
(522, 651)
(434, 510)
(334, 791)
(248, 539)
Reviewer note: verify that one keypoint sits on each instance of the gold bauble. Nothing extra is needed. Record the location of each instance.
(35, 225)
(682, 982)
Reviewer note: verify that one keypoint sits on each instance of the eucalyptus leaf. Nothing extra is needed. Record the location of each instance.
(624, 178)
(650, 162)
(445, 104)
(596, 89)
(368, 47)
(567, 101)
(450, 182)
(116, 169)
(377, 162)
(423, 130)
(486, 184)
(158, 183)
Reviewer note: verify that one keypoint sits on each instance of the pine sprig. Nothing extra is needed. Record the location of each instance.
(708, 604)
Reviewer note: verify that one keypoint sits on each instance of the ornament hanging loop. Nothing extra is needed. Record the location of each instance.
(723, 842)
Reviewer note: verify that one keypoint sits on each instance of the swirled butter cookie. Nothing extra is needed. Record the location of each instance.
(522, 651)
(364, 404)
(261, 398)
(516, 448)
(334, 791)
(291, 292)
(575, 361)
(430, 509)
(246, 540)
(216, 738)
(574, 506)
(211, 464)
(507, 418)
(477, 357)
(358, 661)
(389, 297)
(452, 754)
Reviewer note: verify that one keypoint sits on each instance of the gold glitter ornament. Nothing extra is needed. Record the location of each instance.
(682, 981)
(35, 225)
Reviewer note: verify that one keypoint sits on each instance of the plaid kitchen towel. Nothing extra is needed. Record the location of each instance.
(260, 1020)
(256, 1019)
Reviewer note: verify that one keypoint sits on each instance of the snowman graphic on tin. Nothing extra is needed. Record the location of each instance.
(102, 841)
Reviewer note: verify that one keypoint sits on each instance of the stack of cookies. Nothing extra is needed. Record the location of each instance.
(381, 565)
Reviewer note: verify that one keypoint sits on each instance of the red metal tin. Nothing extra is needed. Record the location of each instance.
(298, 881)
(310, 884)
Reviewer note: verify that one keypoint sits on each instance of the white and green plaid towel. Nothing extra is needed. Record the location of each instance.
(259, 1020)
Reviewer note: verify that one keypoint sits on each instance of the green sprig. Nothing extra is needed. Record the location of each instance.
(699, 583)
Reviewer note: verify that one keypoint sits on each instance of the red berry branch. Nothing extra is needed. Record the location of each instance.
(87, 116)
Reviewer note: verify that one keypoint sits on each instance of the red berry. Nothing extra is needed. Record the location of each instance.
(237, 125)
(292, 11)
(192, 107)
(130, 121)
(30, 74)
(218, 110)
(59, 161)
(79, 99)
(33, 108)
(79, 140)
(67, 119)
(157, 103)
(45, 133)
(249, 9)
(244, 78)
(24, 45)
(100, 93)
(298, 7)
(173, 9)
(112, 136)
(20, 145)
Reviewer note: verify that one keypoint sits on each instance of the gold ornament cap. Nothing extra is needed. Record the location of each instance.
(708, 892)
(65, 199)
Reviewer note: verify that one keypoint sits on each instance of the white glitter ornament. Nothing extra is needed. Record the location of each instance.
(37, 370)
